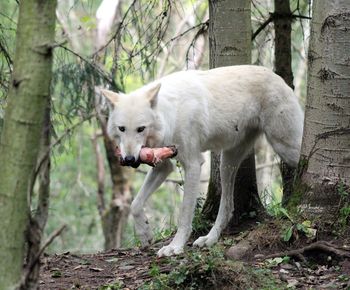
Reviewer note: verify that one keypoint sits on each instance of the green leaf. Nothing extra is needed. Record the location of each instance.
(288, 234)
(56, 274)
(85, 19)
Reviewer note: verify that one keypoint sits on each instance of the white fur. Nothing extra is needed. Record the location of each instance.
(223, 109)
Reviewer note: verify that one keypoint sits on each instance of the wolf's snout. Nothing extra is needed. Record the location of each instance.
(130, 161)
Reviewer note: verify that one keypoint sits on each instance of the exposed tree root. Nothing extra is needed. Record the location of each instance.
(323, 246)
(36, 259)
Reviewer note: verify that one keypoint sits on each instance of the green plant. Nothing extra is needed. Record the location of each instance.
(344, 211)
(115, 286)
(276, 261)
(278, 211)
(200, 225)
(161, 234)
(293, 226)
(305, 228)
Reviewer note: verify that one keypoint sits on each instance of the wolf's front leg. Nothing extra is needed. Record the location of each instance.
(191, 190)
(230, 161)
(154, 179)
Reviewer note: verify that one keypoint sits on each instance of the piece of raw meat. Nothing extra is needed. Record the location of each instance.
(153, 156)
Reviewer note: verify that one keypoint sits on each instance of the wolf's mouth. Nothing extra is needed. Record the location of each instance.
(122, 161)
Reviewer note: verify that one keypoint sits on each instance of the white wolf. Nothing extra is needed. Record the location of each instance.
(223, 109)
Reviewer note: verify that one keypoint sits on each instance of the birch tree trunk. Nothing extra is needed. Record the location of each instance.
(230, 44)
(325, 153)
(23, 123)
(283, 67)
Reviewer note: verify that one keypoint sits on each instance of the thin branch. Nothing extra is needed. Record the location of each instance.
(271, 18)
(262, 26)
(264, 165)
(117, 31)
(201, 25)
(6, 54)
(171, 180)
(58, 141)
(98, 69)
(203, 30)
(29, 268)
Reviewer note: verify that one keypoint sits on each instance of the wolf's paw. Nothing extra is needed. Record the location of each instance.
(170, 250)
(207, 240)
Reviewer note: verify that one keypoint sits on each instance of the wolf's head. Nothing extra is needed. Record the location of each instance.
(132, 121)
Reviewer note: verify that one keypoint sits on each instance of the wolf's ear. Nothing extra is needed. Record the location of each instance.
(112, 97)
(152, 94)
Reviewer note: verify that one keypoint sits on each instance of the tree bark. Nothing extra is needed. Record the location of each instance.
(283, 67)
(114, 216)
(23, 123)
(230, 44)
(326, 141)
(38, 219)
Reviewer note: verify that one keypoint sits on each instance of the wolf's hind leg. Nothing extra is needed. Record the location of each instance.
(154, 179)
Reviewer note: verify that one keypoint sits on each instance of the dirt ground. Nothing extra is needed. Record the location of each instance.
(132, 269)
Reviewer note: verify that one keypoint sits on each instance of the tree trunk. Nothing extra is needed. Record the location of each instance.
(230, 44)
(20, 139)
(326, 141)
(39, 217)
(114, 216)
(283, 67)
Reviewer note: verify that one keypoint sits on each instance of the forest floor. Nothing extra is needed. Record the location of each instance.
(313, 266)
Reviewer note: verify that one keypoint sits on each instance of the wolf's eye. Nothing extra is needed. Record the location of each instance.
(121, 128)
(141, 129)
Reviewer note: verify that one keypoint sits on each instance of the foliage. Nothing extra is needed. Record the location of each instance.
(277, 261)
(114, 286)
(200, 225)
(208, 269)
(293, 225)
(344, 210)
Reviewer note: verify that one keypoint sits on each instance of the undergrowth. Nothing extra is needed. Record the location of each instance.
(208, 269)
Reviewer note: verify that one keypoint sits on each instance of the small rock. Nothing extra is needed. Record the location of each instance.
(287, 266)
(259, 256)
(96, 269)
(283, 277)
(283, 271)
(126, 268)
(298, 266)
(238, 251)
(311, 279)
(292, 283)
